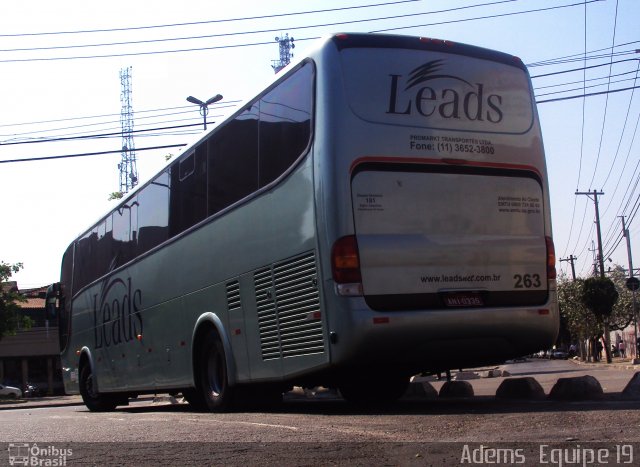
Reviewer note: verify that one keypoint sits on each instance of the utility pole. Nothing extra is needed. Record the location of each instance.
(571, 260)
(625, 233)
(595, 194)
(127, 165)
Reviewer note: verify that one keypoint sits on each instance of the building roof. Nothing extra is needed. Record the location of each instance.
(32, 303)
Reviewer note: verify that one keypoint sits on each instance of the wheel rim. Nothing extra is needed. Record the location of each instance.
(215, 374)
(88, 386)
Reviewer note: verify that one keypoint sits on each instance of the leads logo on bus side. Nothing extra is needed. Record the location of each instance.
(471, 102)
(116, 313)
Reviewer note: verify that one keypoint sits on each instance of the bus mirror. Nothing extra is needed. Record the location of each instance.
(51, 301)
(50, 311)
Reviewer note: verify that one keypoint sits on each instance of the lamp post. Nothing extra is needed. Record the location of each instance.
(204, 106)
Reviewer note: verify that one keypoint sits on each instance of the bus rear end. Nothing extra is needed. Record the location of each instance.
(441, 249)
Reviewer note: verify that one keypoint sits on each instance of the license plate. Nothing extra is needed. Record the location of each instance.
(463, 300)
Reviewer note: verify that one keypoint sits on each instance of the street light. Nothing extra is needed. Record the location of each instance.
(204, 106)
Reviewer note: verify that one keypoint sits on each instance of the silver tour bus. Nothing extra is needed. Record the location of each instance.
(381, 209)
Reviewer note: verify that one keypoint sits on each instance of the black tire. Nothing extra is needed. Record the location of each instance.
(213, 391)
(94, 401)
(365, 390)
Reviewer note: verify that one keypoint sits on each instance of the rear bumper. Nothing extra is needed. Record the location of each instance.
(430, 340)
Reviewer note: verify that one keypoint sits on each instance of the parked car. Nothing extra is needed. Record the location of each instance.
(558, 355)
(33, 390)
(10, 392)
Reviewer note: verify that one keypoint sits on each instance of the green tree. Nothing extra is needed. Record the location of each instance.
(599, 295)
(581, 323)
(10, 318)
(622, 314)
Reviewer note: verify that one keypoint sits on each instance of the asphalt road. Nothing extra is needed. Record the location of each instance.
(330, 432)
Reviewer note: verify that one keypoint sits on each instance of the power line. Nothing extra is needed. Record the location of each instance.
(96, 136)
(488, 16)
(587, 95)
(85, 154)
(585, 68)
(247, 18)
(575, 57)
(241, 33)
(196, 49)
(112, 115)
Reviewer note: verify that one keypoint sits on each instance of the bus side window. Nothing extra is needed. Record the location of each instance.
(285, 123)
(84, 272)
(122, 247)
(233, 161)
(153, 213)
(188, 201)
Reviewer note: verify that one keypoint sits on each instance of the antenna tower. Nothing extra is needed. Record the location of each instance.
(286, 44)
(127, 165)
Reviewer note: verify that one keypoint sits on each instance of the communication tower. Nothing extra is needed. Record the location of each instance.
(286, 44)
(127, 165)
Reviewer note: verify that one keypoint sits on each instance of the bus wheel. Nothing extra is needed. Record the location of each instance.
(213, 376)
(366, 390)
(92, 399)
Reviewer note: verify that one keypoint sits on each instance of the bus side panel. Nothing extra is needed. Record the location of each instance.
(140, 326)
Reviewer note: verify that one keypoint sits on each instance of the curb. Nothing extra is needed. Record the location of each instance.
(613, 365)
(39, 405)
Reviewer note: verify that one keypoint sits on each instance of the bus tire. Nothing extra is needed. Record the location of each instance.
(371, 391)
(94, 401)
(213, 377)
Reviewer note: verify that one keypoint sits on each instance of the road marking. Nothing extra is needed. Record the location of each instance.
(239, 422)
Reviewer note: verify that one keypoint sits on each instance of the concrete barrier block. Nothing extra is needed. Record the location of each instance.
(496, 373)
(456, 389)
(520, 388)
(575, 389)
(632, 389)
(464, 375)
(420, 390)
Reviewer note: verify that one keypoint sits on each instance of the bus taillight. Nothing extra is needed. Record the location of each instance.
(345, 262)
(551, 258)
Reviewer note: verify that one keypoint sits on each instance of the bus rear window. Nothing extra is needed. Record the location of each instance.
(437, 90)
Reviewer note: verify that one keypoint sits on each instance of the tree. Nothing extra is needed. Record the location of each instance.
(580, 322)
(10, 318)
(622, 314)
(599, 295)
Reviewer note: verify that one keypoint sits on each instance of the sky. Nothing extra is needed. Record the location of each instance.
(57, 81)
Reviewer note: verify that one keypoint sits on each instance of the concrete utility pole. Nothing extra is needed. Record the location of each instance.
(625, 233)
(595, 194)
(571, 260)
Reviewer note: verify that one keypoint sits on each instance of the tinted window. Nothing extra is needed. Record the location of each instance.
(188, 203)
(153, 213)
(84, 272)
(122, 247)
(233, 161)
(285, 123)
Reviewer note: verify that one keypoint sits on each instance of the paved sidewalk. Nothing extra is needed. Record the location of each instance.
(38, 402)
(617, 363)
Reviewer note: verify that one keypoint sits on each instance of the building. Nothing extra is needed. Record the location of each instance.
(32, 355)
